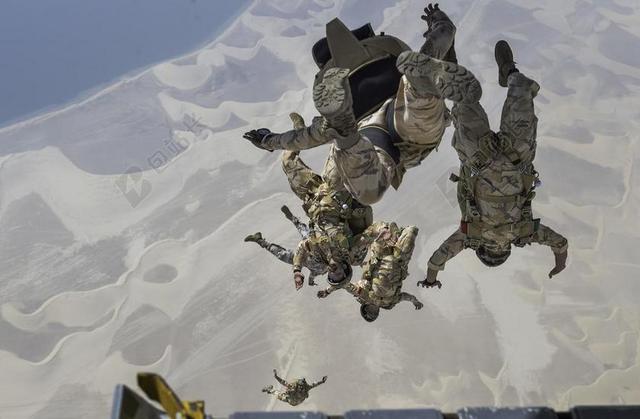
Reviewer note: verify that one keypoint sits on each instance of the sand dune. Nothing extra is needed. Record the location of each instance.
(122, 218)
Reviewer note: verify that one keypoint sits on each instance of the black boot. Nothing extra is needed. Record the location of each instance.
(255, 237)
(504, 59)
(287, 213)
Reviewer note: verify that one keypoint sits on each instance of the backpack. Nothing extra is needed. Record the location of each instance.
(371, 58)
(472, 225)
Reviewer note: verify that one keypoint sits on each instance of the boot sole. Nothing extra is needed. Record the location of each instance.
(453, 81)
(332, 98)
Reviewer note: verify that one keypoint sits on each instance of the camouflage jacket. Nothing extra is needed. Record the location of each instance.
(322, 246)
(390, 249)
(495, 190)
(297, 391)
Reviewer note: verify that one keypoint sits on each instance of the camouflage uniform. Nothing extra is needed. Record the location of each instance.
(497, 178)
(387, 267)
(419, 117)
(315, 264)
(330, 208)
(295, 392)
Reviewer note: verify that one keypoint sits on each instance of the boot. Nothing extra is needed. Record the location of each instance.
(504, 59)
(255, 237)
(287, 213)
(430, 76)
(332, 97)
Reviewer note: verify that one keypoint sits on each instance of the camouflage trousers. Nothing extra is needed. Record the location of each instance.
(518, 121)
(518, 129)
(303, 181)
(366, 170)
(282, 253)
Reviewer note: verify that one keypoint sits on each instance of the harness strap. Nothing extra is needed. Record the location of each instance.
(523, 229)
(385, 138)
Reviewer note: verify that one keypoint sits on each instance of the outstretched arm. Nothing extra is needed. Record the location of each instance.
(440, 34)
(295, 140)
(327, 291)
(405, 296)
(317, 383)
(350, 288)
(558, 244)
(299, 260)
(447, 250)
(453, 245)
(280, 380)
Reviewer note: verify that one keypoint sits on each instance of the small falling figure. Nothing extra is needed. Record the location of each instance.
(295, 392)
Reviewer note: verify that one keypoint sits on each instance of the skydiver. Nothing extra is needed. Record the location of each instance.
(294, 392)
(372, 151)
(497, 179)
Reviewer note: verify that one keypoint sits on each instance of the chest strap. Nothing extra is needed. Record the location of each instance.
(522, 229)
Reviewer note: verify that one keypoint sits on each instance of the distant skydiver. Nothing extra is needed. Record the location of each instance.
(381, 114)
(384, 272)
(497, 179)
(294, 392)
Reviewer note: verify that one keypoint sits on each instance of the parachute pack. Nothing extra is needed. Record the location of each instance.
(370, 58)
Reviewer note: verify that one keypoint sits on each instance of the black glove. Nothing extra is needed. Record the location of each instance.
(429, 11)
(561, 263)
(257, 137)
(430, 281)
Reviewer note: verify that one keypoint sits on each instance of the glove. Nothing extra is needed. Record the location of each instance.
(430, 281)
(324, 379)
(297, 120)
(257, 137)
(323, 294)
(418, 305)
(429, 11)
(298, 278)
(561, 260)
